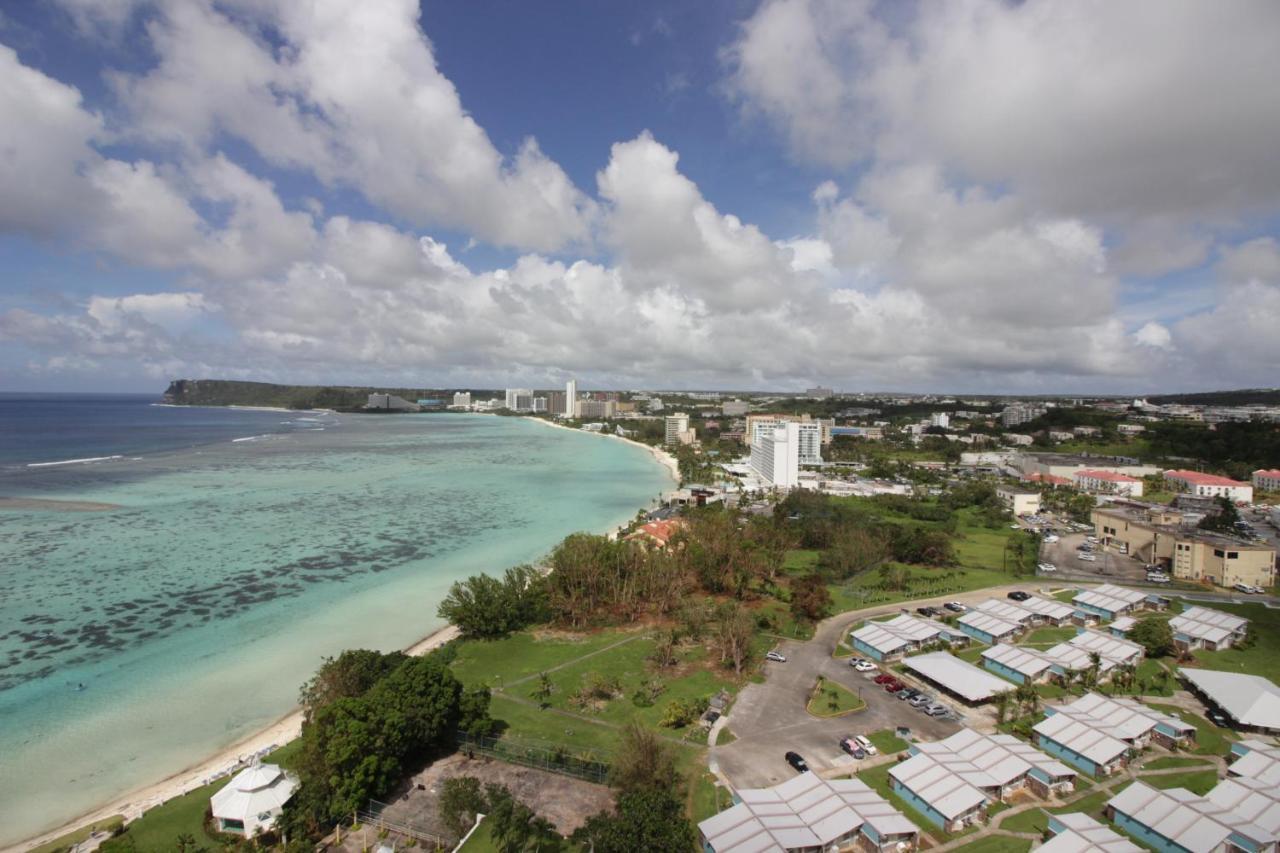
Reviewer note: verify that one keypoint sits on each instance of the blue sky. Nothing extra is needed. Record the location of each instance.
(978, 197)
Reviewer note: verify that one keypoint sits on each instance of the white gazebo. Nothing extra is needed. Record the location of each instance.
(252, 800)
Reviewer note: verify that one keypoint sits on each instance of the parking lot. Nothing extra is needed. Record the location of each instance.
(1110, 567)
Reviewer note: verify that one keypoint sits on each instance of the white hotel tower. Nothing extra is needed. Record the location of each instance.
(570, 397)
(775, 455)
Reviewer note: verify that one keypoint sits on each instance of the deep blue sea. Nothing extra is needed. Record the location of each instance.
(168, 598)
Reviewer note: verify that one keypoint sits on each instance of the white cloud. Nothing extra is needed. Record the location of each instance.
(1255, 260)
(1153, 335)
(353, 95)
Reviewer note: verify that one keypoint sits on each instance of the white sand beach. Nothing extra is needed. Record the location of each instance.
(666, 459)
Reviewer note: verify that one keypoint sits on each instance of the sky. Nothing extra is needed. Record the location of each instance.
(1052, 196)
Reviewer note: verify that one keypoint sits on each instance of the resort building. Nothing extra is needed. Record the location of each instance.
(657, 534)
(1109, 601)
(1076, 832)
(1210, 486)
(1019, 500)
(1202, 628)
(808, 813)
(890, 640)
(1255, 759)
(1117, 650)
(1251, 700)
(1019, 665)
(957, 677)
(250, 803)
(808, 434)
(1237, 815)
(1266, 480)
(676, 428)
(953, 782)
(1122, 626)
(1108, 483)
(1034, 611)
(775, 456)
(989, 628)
(1098, 734)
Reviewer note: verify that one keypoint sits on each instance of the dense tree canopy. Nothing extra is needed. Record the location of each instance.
(485, 607)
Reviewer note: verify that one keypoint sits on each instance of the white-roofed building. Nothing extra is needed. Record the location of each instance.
(808, 813)
(1202, 628)
(1250, 700)
(890, 640)
(989, 628)
(1099, 733)
(1109, 601)
(957, 677)
(953, 781)
(1255, 759)
(1122, 626)
(1019, 665)
(1237, 815)
(1050, 611)
(1118, 650)
(252, 800)
(1076, 832)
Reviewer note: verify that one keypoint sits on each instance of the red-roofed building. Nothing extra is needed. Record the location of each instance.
(1108, 483)
(657, 533)
(1210, 486)
(1051, 479)
(1268, 481)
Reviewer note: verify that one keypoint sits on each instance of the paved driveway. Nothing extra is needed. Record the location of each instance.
(769, 719)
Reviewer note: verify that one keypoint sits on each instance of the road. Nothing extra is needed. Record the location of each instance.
(769, 718)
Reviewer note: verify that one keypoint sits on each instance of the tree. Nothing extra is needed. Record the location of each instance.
(651, 819)
(543, 691)
(461, 799)
(516, 827)
(1154, 635)
(643, 760)
(894, 575)
(1222, 521)
(350, 674)
(810, 598)
(854, 549)
(735, 629)
(485, 607)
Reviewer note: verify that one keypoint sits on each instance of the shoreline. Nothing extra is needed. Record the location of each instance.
(218, 766)
(663, 457)
(284, 730)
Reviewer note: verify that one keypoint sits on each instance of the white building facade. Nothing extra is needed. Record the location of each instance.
(570, 397)
(775, 456)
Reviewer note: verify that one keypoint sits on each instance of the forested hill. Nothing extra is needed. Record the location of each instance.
(1241, 397)
(226, 392)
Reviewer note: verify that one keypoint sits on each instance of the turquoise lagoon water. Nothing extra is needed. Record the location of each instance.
(138, 640)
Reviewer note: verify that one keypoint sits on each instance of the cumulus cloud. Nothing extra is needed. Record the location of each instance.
(353, 95)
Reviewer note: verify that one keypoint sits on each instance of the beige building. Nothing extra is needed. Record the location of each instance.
(1067, 464)
(1019, 500)
(1156, 535)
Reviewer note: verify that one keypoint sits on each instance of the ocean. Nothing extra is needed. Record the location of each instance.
(170, 597)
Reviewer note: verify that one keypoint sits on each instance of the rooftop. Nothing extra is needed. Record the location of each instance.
(1079, 833)
(1201, 623)
(1201, 479)
(1119, 718)
(1028, 662)
(804, 811)
(1198, 824)
(1250, 699)
(989, 623)
(1110, 597)
(1108, 646)
(960, 677)
(899, 632)
(1108, 476)
(950, 775)
(1261, 762)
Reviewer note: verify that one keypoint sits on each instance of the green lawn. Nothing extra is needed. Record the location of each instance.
(800, 561)
(706, 798)
(832, 699)
(1210, 740)
(887, 742)
(995, 844)
(62, 842)
(1263, 658)
(481, 841)
(1195, 781)
(1037, 820)
(499, 662)
(1168, 761)
(1049, 636)
(972, 653)
(865, 590)
(725, 737)
(1067, 595)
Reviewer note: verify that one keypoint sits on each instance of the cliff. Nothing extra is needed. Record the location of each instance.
(226, 392)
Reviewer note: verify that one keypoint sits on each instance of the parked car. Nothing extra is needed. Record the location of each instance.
(920, 699)
(1048, 567)
(935, 710)
(797, 763)
(893, 686)
(927, 611)
(955, 607)
(1243, 587)
(864, 666)
(1158, 579)
(776, 657)
(1219, 719)
(1092, 539)
(852, 747)
(1089, 558)
(1051, 538)
(866, 744)
(884, 678)
(1019, 595)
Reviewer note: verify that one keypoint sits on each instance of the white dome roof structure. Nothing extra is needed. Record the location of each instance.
(252, 800)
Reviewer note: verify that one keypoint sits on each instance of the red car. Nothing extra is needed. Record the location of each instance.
(884, 678)
(893, 686)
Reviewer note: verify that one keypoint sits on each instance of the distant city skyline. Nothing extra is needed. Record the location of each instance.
(976, 197)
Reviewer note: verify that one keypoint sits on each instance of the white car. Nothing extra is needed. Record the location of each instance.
(867, 746)
(1015, 526)
(864, 666)
(1048, 567)
(1243, 587)
(1051, 538)
(1088, 558)
(1158, 579)
(776, 657)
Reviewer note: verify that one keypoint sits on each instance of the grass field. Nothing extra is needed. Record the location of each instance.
(1195, 781)
(1169, 761)
(832, 699)
(481, 841)
(1043, 638)
(887, 742)
(1037, 820)
(995, 844)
